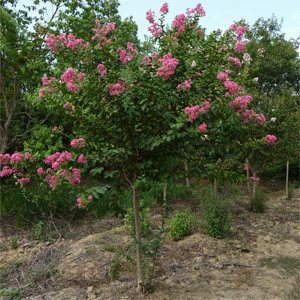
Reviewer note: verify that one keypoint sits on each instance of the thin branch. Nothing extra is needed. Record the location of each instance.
(27, 131)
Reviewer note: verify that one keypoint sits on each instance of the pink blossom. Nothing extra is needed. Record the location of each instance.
(260, 119)
(67, 105)
(198, 11)
(16, 157)
(80, 75)
(165, 8)
(186, 85)
(40, 171)
(102, 67)
(240, 103)
(168, 66)
(236, 61)
(4, 159)
(82, 159)
(270, 139)
(192, 111)
(150, 16)
(254, 179)
(73, 87)
(116, 88)
(239, 47)
(79, 202)
(203, 128)
(90, 197)
(6, 171)
(156, 30)
(246, 167)
(41, 92)
(179, 22)
(55, 128)
(68, 76)
(77, 143)
(23, 181)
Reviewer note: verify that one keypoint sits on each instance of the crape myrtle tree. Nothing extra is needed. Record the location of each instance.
(25, 58)
(137, 113)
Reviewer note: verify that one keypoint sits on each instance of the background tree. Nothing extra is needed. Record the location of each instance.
(279, 64)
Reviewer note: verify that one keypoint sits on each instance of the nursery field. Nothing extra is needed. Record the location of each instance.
(257, 259)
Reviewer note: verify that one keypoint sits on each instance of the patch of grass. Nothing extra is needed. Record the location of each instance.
(289, 264)
(3, 247)
(13, 293)
(258, 203)
(14, 243)
(109, 248)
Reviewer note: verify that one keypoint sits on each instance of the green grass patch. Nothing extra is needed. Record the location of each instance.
(289, 264)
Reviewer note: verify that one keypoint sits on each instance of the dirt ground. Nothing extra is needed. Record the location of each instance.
(258, 260)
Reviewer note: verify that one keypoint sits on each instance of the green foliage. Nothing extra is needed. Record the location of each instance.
(41, 232)
(182, 224)
(14, 243)
(258, 203)
(13, 293)
(145, 220)
(216, 214)
(115, 266)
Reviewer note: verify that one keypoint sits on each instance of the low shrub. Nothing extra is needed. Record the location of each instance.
(182, 224)
(258, 203)
(216, 214)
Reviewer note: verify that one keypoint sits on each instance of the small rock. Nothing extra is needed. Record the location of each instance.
(267, 238)
(198, 259)
(90, 289)
(20, 251)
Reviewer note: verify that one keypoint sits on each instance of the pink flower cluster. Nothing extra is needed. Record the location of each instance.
(270, 139)
(165, 8)
(205, 106)
(6, 171)
(156, 30)
(150, 16)
(74, 178)
(82, 159)
(80, 76)
(78, 143)
(239, 47)
(57, 159)
(16, 157)
(193, 110)
(232, 86)
(236, 61)
(254, 179)
(168, 66)
(47, 81)
(4, 159)
(179, 22)
(198, 11)
(61, 41)
(250, 115)
(186, 85)
(69, 76)
(102, 67)
(101, 33)
(246, 167)
(23, 181)
(79, 202)
(239, 30)
(116, 88)
(203, 128)
(127, 56)
(241, 102)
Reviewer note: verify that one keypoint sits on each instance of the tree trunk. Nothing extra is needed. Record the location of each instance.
(248, 176)
(187, 180)
(287, 179)
(138, 238)
(165, 191)
(255, 185)
(215, 188)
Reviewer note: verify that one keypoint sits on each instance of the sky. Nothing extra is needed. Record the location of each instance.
(219, 14)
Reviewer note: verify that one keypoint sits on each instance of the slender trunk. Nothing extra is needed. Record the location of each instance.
(255, 185)
(287, 179)
(187, 180)
(248, 176)
(165, 191)
(138, 238)
(215, 188)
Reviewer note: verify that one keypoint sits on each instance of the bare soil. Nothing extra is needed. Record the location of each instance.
(258, 260)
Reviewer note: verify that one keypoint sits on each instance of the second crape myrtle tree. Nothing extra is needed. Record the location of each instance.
(138, 112)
